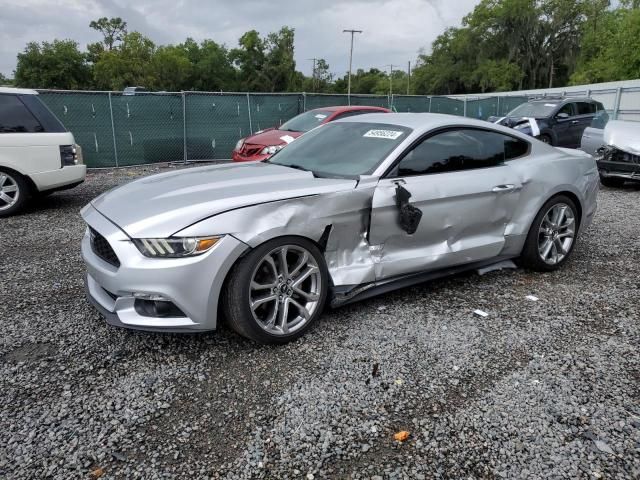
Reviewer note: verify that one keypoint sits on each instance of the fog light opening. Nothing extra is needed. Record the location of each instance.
(157, 308)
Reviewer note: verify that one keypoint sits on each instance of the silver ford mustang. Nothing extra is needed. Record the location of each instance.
(351, 209)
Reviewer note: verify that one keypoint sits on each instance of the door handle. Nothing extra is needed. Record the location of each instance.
(503, 188)
(573, 122)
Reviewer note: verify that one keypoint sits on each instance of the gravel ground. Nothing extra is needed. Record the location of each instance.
(536, 389)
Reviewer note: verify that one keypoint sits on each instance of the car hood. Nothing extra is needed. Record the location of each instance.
(160, 205)
(272, 137)
(623, 135)
(513, 121)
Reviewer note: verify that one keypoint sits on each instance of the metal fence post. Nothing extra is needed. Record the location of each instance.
(616, 105)
(184, 127)
(498, 107)
(113, 131)
(304, 101)
(464, 110)
(249, 110)
(430, 98)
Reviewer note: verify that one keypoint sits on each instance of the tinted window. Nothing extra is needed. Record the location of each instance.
(568, 109)
(342, 148)
(47, 119)
(585, 108)
(14, 116)
(463, 149)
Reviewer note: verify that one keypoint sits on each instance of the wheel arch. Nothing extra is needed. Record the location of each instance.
(32, 186)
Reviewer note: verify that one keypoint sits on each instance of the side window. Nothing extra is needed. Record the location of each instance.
(585, 108)
(568, 109)
(462, 149)
(15, 117)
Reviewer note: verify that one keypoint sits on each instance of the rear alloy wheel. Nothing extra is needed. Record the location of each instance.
(277, 291)
(552, 236)
(13, 193)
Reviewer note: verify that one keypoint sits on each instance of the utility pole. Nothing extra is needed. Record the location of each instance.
(350, 61)
(313, 78)
(390, 79)
(408, 76)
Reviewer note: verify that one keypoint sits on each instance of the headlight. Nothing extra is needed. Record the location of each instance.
(271, 149)
(239, 144)
(174, 247)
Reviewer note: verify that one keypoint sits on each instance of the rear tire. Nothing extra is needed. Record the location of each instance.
(612, 182)
(552, 235)
(277, 291)
(544, 138)
(14, 192)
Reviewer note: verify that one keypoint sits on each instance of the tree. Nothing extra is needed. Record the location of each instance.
(4, 80)
(279, 66)
(170, 69)
(250, 61)
(212, 69)
(112, 29)
(130, 64)
(57, 64)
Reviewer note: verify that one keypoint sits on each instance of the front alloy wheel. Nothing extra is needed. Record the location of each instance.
(276, 292)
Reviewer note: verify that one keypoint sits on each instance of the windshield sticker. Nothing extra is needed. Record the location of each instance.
(550, 104)
(321, 116)
(389, 134)
(287, 138)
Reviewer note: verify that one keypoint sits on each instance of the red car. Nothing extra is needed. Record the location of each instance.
(265, 143)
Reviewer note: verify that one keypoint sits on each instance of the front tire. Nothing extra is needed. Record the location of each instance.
(544, 138)
(14, 191)
(552, 236)
(276, 292)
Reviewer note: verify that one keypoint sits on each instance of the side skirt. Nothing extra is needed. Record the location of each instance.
(344, 295)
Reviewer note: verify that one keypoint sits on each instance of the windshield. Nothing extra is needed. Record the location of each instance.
(533, 109)
(306, 121)
(342, 148)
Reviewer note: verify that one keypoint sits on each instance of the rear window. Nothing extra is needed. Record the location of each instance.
(306, 121)
(26, 114)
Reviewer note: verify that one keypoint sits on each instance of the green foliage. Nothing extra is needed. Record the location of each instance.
(57, 64)
(128, 65)
(112, 29)
(611, 50)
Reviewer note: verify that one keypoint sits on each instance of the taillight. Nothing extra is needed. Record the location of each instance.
(68, 155)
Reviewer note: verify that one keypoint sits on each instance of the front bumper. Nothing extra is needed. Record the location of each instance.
(192, 284)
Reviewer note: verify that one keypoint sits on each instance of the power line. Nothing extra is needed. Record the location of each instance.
(350, 61)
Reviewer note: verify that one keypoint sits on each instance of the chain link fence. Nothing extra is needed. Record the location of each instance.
(122, 130)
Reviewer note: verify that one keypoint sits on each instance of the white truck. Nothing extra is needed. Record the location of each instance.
(38, 155)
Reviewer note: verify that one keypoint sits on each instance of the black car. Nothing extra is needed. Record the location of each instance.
(557, 121)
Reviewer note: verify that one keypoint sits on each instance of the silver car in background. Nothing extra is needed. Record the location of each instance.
(351, 209)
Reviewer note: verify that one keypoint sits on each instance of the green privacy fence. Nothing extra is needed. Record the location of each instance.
(121, 130)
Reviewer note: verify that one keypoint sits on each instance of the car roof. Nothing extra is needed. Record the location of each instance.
(562, 99)
(350, 108)
(18, 91)
(418, 121)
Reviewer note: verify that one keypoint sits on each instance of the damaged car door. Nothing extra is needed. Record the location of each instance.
(447, 201)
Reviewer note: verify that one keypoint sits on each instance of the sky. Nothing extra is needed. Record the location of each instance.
(394, 31)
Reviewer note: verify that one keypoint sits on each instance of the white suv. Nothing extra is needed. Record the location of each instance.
(37, 154)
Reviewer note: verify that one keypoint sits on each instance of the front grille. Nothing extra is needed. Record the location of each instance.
(620, 156)
(249, 150)
(101, 248)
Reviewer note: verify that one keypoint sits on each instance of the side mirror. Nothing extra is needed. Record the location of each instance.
(562, 116)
